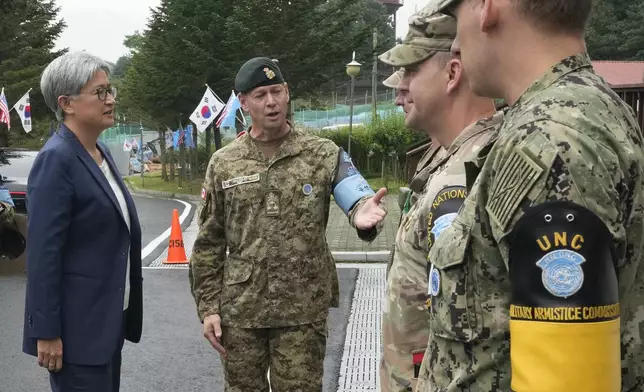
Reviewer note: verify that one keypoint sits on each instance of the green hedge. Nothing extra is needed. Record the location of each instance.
(385, 139)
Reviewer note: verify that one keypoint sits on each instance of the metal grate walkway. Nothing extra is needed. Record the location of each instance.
(363, 343)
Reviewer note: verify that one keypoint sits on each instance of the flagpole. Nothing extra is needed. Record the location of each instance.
(214, 93)
(141, 149)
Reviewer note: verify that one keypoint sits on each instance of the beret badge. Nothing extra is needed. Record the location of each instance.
(269, 73)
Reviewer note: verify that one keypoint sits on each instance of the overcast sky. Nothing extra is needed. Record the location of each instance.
(100, 26)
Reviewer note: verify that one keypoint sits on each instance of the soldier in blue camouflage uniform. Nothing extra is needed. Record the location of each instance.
(538, 285)
(261, 273)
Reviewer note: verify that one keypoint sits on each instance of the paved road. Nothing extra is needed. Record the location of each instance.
(155, 215)
(173, 356)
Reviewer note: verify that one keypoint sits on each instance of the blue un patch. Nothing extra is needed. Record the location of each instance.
(561, 273)
(442, 222)
(434, 281)
(5, 196)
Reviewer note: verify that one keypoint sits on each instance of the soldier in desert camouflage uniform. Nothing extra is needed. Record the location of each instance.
(538, 285)
(407, 198)
(442, 104)
(266, 201)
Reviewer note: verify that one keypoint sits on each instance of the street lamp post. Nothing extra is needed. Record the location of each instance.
(353, 69)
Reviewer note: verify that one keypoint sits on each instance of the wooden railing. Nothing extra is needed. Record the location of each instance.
(631, 94)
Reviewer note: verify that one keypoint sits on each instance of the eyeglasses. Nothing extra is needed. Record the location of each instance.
(101, 92)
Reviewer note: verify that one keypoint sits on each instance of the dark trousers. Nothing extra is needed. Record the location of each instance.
(77, 378)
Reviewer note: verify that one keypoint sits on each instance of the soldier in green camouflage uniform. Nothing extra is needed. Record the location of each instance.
(460, 123)
(538, 285)
(12, 242)
(266, 201)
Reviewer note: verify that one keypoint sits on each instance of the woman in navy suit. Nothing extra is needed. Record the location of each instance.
(84, 284)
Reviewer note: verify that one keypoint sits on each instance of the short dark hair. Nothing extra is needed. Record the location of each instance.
(566, 16)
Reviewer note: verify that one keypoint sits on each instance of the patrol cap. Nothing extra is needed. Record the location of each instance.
(257, 72)
(428, 33)
(394, 80)
(438, 5)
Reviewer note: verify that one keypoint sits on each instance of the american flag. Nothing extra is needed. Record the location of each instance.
(4, 110)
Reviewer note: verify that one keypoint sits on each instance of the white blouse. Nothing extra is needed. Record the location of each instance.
(105, 168)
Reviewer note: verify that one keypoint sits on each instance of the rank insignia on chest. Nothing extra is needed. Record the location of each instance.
(272, 199)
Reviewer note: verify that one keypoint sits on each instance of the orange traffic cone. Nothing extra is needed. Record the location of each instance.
(176, 251)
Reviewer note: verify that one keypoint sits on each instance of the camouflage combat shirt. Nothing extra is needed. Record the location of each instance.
(271, 217)
(405, 322)
(568, 139)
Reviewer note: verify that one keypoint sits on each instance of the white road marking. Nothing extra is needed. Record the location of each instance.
(155, 242)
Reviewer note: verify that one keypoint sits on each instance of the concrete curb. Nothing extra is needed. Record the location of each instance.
(166, 195)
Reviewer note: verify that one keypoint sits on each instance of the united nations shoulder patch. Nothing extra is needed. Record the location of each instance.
(562, 275)
(443, 211)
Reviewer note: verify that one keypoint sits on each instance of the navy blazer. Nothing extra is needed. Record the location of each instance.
(77, 255)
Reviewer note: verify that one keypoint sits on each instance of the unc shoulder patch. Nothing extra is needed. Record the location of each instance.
(562, 275)
(561, 256)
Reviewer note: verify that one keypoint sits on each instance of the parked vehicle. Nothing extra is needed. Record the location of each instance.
(15, 165)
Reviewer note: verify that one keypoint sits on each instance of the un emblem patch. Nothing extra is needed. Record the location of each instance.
(561, 272)
(434, 281)
(442, 222)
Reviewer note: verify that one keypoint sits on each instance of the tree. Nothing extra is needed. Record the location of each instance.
(121, 66)
(614, 30)
(189, 43)
(29, 29)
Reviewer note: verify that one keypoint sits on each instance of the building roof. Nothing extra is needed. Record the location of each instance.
(620, 73)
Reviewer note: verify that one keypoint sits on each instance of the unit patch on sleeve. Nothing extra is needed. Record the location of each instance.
(443, 211)
(562, 265)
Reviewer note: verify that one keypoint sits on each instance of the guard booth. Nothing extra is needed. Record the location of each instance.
(632, 94)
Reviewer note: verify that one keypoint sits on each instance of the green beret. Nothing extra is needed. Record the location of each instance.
(257, 72)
